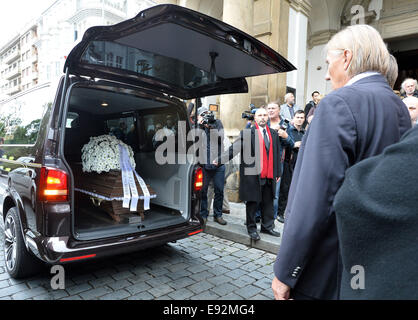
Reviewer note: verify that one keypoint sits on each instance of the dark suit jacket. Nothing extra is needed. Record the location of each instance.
(352, 123)
(247, 144)
(376, 210)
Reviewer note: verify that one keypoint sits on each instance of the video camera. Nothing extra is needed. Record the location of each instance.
(249, 115)
(208, 119)
(285, 125)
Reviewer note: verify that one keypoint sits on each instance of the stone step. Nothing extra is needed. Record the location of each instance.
(236, 231)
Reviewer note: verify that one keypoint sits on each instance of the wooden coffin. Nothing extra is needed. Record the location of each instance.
(108, 185)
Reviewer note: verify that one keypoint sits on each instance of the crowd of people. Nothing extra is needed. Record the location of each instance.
(288, 122)
(322, 177)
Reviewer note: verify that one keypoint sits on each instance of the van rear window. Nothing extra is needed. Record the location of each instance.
(145, 63)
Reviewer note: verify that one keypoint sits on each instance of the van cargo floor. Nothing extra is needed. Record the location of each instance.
(93, 223)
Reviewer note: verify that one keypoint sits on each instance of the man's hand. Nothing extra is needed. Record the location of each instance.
(281, 291)
(283, 134)
(297, 144)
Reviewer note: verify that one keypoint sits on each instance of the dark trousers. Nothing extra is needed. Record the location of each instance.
(218, 177)
(267, 214)
(284, 187)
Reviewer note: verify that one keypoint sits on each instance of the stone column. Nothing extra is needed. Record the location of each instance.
(240, 15)
(297, 51)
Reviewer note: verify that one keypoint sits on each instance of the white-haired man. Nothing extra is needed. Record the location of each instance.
(288, 109)
(259, 175)
(355, 121)
(412, 105)
(409, 88)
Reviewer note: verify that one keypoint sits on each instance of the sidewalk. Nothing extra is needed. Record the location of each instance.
(236, 231)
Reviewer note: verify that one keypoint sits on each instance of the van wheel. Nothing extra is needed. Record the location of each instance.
(19, 262)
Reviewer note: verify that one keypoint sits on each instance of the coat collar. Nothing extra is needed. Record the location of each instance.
(361, 76)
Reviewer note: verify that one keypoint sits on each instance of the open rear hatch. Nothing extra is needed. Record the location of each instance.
(165, 49)
(176, 51)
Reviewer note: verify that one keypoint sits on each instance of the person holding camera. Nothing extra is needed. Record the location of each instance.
(214, 137)
(276, 122)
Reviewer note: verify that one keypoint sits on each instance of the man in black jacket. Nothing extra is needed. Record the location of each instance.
(356, 121)
(296, 132)
(259, 172)
(213, 140)
(311, 104)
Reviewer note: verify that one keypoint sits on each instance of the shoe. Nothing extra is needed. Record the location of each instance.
(257, 219)
(254, 235)
(226, 211)
(219, 220)
(280, 219)
(271, 232)
(205, 220)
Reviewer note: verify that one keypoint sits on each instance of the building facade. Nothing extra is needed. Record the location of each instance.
(37, 55)
(299, 30)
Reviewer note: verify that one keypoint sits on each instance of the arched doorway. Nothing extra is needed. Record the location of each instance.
(406, 53)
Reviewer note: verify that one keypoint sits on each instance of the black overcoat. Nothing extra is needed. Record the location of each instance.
(247, 144)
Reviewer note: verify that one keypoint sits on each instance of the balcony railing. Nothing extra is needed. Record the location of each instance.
(12, 56)
(101, 4)
(12, 73)
(13, 90)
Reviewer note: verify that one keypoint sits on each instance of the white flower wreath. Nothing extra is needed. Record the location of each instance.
(101, 154)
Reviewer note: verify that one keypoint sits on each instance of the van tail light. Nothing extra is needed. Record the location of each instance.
(198, 179)
(53, 185)
(195, 232)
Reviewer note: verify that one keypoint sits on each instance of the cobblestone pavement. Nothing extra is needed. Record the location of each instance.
(197, 268)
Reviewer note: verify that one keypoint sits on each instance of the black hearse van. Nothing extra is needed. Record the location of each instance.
(133, 73)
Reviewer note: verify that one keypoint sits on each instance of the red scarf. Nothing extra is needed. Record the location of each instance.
(267, 162)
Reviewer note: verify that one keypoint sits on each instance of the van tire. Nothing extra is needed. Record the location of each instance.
(19, 262)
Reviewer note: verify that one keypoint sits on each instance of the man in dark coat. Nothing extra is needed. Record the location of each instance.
(356, 121)
(259, 172)
(311, 104)
(376, 210)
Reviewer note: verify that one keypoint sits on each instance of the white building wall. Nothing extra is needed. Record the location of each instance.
(298, 28)
(317, 69)
(56, 30)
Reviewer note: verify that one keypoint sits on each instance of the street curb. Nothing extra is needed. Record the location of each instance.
(238, 233)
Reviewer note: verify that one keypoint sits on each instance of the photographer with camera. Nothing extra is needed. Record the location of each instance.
(281, 125)
(214, 133)
(249, 115)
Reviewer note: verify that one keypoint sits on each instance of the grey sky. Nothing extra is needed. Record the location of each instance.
(14, 14)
